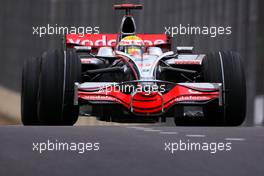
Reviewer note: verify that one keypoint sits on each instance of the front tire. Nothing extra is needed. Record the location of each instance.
(29, 91)
(226, 68)
(56, 92)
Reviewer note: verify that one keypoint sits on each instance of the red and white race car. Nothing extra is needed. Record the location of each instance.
(132, 75)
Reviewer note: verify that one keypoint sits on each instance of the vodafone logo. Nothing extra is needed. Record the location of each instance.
(110, 39)
(90, 42)
(155, 42)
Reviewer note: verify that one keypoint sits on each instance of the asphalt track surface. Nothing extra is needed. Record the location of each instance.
(131, 150)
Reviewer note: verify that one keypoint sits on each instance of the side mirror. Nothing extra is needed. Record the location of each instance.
(83, 48)
(184, 49)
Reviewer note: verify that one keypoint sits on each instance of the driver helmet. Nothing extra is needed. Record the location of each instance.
(132, 45)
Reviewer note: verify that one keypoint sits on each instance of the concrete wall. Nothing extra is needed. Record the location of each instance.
(17, 18)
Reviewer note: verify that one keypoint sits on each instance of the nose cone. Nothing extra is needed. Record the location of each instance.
(147, 103)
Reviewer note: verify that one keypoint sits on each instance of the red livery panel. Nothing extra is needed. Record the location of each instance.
(99, 40)
(143, 103)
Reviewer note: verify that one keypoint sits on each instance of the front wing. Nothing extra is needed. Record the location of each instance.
(149, 104)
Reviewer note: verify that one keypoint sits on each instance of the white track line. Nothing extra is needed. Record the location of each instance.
(151, 130)
(138, 128)
(195, 135)
(145, 129)
(168, 132)
(235, 139)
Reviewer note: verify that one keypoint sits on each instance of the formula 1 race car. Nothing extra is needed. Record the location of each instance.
(132, 75)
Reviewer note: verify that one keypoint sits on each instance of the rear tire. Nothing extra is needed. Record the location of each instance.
(29, 91)
(226, 68)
